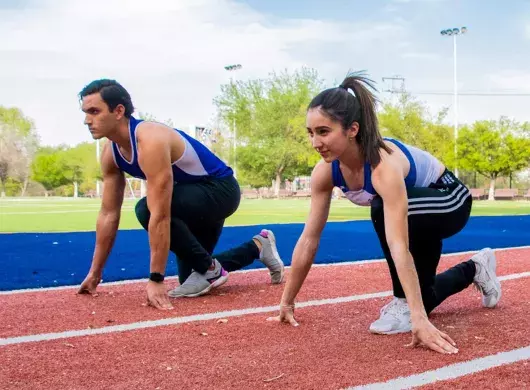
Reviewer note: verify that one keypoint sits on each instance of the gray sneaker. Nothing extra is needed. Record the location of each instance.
(485, 279)
(198, 284)
(269, 255)
(394, 318)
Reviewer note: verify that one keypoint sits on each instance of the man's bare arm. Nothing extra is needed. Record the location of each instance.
(154, 157)
(108, 218)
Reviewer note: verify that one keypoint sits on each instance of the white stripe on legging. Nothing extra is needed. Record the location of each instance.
(440, 211)
(436, 199)
(455, 195)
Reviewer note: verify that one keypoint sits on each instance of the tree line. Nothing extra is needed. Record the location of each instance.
(267, 117)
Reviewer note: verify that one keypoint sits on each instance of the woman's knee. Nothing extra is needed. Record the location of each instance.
(142, 212)
(376, 210)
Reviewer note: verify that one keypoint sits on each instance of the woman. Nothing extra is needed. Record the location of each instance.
(415, 203)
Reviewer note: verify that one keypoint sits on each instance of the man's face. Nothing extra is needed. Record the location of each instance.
(100, 121)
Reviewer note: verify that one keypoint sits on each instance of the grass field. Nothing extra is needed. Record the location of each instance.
(63, 214)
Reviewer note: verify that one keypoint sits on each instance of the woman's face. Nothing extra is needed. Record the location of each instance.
(327, 136)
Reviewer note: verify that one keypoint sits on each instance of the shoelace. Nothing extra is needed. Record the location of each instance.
(394, 308)
(482, 286)
(483, 290)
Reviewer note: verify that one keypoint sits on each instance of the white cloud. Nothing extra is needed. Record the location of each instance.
(511, 80)
(421, 56)
(169, 55)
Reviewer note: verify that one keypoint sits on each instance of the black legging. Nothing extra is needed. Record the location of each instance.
(434, 213)
(198, 213)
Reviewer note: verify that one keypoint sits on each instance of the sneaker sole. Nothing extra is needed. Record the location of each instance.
(276, 255)
(492, 274)
(492, 262)
(498, 284)
(396, 331)
(218, 282)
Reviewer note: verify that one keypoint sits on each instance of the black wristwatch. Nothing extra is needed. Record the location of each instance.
(156, 277)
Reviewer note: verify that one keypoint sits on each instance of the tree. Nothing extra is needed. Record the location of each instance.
(18, 143)
(409, 121)
(83, 166)
(269, 118)
(494, 148)
(10, 155)
(50, 170)
(73, 167)
(151, 118)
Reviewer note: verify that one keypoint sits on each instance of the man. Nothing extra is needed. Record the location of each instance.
(190, 193)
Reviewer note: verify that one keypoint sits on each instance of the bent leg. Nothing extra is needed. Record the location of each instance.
(434, 213)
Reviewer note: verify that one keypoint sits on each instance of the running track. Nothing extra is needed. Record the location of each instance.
(55, 339)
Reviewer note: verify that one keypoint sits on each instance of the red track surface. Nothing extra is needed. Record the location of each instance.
(331, 349)
(513, 376)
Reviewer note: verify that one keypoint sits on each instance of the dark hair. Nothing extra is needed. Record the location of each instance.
(343, 107)
(112, 94)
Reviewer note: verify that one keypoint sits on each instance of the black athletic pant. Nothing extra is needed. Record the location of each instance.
(436, 212)
(198, 213)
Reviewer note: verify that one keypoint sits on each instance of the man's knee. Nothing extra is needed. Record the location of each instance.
(142, 212)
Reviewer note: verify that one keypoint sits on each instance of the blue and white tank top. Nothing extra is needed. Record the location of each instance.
(196, 162)
(424, 170)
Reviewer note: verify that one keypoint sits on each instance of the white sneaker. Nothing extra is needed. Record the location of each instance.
(485, 279)
(395, 318)
(269, 255)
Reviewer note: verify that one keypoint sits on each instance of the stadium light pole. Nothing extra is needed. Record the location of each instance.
(454, 32)
(233, 68)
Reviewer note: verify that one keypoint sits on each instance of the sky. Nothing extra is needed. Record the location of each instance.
(170, 54)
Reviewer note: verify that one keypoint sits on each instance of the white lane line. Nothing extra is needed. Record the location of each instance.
(452, 371)
(200, 317)
(181, 320)
(144, 280)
